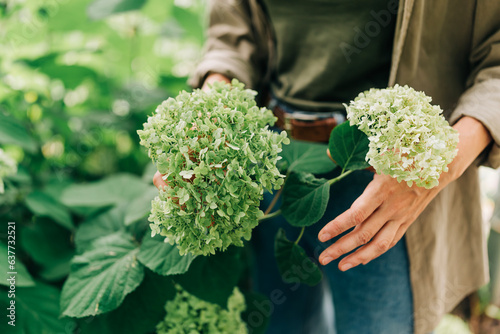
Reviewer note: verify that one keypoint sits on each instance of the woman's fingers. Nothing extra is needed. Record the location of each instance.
(360, 210)
(361, 235)
(158, 181)
(385, 239)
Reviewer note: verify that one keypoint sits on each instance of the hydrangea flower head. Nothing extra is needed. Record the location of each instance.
(218, 155)
(7, 167)
(409, 137)
(189, 314)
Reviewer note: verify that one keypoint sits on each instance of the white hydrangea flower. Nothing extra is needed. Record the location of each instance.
(7, 167)
(410, 139)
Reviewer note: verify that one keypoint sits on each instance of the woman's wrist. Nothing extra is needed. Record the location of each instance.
(474, 137)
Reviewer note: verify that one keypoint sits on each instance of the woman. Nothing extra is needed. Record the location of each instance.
(422, 250)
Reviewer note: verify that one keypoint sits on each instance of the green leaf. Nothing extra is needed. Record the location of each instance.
(110, 191)
(301, 156)
(139, 313)
(100, 9)
(213, 278)
(304, 199)
(44, 205)
(13, 132)
(22, 278)
(293, 262)
(101, 277)
(37, 311)
(348, 147)
(140, 206)
(106, 223)
(162, 257)
(49, 245)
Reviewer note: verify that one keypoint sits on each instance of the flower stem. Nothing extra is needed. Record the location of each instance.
(273, 202)
(270, 215)
(300, 235)
(340, 177)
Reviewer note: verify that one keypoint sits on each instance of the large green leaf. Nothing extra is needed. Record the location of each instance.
(348, 147)
(301, 156)
(44, 205)
(100, 9)
(13, 132)
(22, 276)
(213, 278)
(101, 277)
(139, 313)
(162, 257)
(293, 263)
(304, 199)
(49, 245)
(105, 223)
(140, 206)
(113, 190)
(37, 311)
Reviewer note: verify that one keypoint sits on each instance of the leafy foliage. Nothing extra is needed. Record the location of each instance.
(162, 257)
(293, 263)
(304, 199)
(101, 277)
(301, 156)
(348, 147)
(217, 155)
(7, 167)
(37, 311)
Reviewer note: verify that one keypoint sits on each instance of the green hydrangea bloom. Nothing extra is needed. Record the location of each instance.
(409, 138)
(8, 167)
(187, 314)
(218, 156)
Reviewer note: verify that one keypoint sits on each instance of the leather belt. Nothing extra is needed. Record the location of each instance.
(303, 125)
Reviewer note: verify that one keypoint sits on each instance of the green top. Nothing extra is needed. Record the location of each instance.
(327, 51)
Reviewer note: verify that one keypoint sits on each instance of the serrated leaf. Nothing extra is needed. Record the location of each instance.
(113, 190)
(139, 313)
(44, 205)
(37, 311)
(100, 9)
(13, 132)
(49, 245)
(213, 278)
(304, 199)
(293, 263)
(140, 206)
(101, 277)
(162, 257)
(105, 223)
(348, 147)
(22, 278)
(301, 156)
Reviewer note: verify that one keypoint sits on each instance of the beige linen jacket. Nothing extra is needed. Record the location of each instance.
(450, 49)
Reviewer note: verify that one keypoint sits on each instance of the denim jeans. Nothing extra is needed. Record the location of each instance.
(371, 299)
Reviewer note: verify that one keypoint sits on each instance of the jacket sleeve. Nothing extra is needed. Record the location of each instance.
(236, 44)
(482, 99)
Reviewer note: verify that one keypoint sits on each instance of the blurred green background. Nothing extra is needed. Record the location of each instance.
(77, 79)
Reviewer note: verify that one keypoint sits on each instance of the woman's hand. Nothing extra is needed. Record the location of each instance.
(211, 78)
(386, 209)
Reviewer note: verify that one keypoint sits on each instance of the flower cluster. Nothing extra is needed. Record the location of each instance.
(7, 167)
(409, 138)
(218, 155)
(189, 314)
